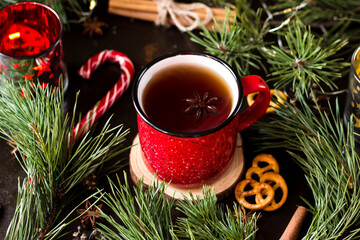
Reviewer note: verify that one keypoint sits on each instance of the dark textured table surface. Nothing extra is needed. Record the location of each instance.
(142, 42)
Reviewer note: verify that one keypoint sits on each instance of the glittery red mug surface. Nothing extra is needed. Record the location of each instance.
(191, 159)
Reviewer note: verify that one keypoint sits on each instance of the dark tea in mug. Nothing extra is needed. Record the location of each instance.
(187, 98)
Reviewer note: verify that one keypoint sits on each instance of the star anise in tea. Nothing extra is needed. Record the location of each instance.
(202, 106)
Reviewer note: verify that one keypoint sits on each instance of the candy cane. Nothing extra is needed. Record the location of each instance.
(127, 73)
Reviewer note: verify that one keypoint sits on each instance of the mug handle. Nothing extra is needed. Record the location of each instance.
(252, 84)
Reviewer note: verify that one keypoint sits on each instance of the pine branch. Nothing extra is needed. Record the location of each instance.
(236, 43)
(325, 151)
(34, 124)
(146, 214)
(304, 62)
(92, 153)
(208, 219)
(29, 212)
(320, 10)
(335, 19)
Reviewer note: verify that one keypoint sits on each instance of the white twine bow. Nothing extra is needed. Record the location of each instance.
(184, 12)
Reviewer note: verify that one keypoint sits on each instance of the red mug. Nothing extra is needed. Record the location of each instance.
(190, 158)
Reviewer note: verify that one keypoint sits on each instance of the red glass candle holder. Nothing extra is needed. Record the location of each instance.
(30, 44)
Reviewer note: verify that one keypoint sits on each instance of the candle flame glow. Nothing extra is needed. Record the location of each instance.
(14, 35)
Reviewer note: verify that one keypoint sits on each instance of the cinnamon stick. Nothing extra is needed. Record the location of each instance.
(147, 16)
(135, 5)
(148, 10)
(151, 6)
(293, 228)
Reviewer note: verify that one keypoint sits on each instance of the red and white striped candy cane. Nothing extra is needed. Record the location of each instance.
(127, 73)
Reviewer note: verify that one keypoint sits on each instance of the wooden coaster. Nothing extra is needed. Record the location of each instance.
(222, 186)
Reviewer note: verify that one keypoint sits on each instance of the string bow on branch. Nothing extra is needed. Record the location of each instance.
(182, 16)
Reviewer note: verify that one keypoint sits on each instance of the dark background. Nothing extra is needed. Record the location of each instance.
(142, 42)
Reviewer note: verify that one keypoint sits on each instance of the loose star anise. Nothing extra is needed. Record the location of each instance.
(202, 106)
(93, 26)
(89, 214)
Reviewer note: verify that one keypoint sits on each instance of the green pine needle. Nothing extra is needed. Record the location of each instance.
(326, 12)
(304, 62)
(147, 214)
(142, 214)
(324, 149)
(33, 121)
(208, 219)
(236, 43)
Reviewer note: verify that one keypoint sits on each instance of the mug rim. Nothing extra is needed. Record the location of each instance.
(52, 46)
(226, 122)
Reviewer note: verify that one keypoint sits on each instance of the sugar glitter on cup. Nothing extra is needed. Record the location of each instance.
(352, 106)
(30, 44)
